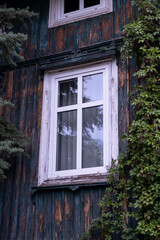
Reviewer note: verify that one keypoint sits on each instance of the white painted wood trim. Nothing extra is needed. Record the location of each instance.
(45, 131)
(57, 17)
(114, 111)
(47, 155)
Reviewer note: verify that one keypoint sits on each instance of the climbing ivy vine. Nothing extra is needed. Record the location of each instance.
(131, 205)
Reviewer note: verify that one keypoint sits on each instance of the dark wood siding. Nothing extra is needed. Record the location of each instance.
(57, 214)
(44, 41)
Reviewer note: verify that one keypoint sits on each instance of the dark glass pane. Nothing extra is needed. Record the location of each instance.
(90, 3)
(71, 5)
(67, 94)
(66, 140)
(92, 137)
(93, 87)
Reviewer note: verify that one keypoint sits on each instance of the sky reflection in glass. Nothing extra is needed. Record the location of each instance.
(92, 87)
(92, 137)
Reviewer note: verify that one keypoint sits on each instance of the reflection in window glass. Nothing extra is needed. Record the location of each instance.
(93, 87)
(92, 137)
(67, 93)
(66, 140)
(90, 3)
(71, 5)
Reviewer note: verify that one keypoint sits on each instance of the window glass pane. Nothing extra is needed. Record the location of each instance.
(90, 3)
(66, 140)
(93, 87)
(67, 94)
(71, 5)
(92, 137)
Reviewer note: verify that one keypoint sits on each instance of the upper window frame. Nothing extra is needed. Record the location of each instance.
(47, 141)
(57, 17)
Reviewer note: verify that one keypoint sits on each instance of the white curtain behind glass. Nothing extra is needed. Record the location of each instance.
(67, 126)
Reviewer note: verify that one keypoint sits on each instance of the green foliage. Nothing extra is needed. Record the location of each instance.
(10, 42)
(12, 142)
(134, 192)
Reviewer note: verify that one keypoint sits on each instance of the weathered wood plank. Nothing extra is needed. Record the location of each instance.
(107, 27)
(47, 226)
(68, 216)
(59, 214)
(58, 211)
(43, 41)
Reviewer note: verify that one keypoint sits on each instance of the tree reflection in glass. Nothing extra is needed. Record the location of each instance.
(66, 140)
(67, 94)
(92, 137)
(92, 87)
(91, 123)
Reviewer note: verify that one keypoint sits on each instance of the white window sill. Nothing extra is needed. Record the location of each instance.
(76, 180)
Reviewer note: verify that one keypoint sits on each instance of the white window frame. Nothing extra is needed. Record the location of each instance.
(57, 16)
(47, 154)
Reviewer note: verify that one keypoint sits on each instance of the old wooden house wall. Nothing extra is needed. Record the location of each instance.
(58, 214)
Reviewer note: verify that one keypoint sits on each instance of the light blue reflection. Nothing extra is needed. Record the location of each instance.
(93, 87)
